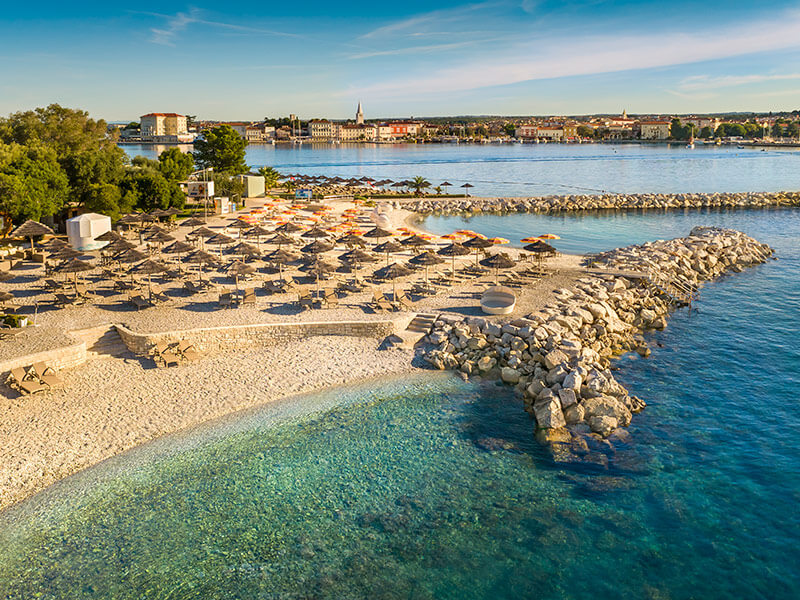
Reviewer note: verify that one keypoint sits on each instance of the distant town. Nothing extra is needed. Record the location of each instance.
(174, 128)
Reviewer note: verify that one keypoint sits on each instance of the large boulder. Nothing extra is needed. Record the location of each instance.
(603, 425)
(548, 413)
(607, 406)
(509, 375)
(567, 397)
(554, 358)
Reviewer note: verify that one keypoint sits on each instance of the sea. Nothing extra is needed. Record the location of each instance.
(432, 487)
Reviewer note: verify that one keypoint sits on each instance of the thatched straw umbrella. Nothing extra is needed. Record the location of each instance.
(281, 239)
(245, 250)
(200, 257)
(289, 228)
(257, 232)
(393, 272)
(148, 267)
(31, 229)
(318, 247)
(452, 251)
(282, 257)
(220, 239)
(378, 233)
(315, 233)
(389, 247)
(319, 268)
(540, 249)
(75, 266)
(192, 222)
(467, 187)
(478, 243)
(415, 241)
(427, 259)
(352, 239)
(239, 269)
(498, 261)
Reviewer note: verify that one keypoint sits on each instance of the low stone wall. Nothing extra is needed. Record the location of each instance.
(245, 336)
(65, 357)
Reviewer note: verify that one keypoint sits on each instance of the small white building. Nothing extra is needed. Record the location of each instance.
(254, 186)
(83, 230)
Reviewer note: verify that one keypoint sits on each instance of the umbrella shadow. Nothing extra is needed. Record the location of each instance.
(289, 308)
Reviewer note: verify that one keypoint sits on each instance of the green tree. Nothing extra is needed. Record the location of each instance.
(777, 130)
(585, 132)
(175, 165)
(793, 130)
(271, 177)
(32, 184)
(509, 129)
(87, 155)
(418, 184)
(228, 185)
(107, 199)
(147, 188)
(705, 132)
(223, 149)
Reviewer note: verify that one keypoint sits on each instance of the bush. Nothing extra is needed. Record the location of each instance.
(14, 320)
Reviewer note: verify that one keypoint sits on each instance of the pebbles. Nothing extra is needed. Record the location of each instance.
(559, 356)
(108, 406)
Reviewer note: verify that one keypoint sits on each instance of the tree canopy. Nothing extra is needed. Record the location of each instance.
(32, 183)
(175, 165)
(270, 175)
(223, 149)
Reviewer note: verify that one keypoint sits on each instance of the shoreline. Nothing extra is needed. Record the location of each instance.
(110, 406)
(82, 440)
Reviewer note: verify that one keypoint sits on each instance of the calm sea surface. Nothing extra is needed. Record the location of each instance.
(429, 487)
(539, 169)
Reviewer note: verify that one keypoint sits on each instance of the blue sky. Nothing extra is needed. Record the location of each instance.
(247, 60)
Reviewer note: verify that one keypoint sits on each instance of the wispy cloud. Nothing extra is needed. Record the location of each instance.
(175, 24)
(705, 82)
(413, 50)
(555, 57)
(411, 25)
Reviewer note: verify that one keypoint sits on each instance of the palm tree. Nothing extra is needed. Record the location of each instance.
(271, 177)
(419, 184)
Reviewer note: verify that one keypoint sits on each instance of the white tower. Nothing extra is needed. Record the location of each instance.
(359, 115)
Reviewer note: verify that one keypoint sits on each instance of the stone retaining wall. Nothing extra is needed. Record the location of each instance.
(65, 357)
(245, 336)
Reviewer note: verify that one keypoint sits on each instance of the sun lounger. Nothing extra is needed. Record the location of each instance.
(7, 307)
(305, 300)
(165, 356)
(6, 331)
(403, 301)
(64, 300)
(140, 302)
(21, 381)
(157, 294)
(330, 298)
(381, 303)
(248, 296)
(46, 375)
(188, 352)
(273, 287)
(225, 300)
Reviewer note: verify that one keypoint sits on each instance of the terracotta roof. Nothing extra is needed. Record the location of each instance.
(161, 115)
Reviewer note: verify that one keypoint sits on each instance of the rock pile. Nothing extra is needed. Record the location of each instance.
(552, 204)
(559, 357)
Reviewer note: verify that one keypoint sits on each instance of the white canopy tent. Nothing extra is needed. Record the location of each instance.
(84, 229)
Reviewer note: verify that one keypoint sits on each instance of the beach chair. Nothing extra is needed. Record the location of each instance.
(188, 351)
(46, 374)
(248, 296)
(225, 300)
(157, 294)
(305, 300)
(380, 303)
(163, 355)
(8, 307)
(330, 298)
(272, 287)
(9, 332)
(139, 301)
(403, 301)
(64, 300)
(21, 381)
(52, 285)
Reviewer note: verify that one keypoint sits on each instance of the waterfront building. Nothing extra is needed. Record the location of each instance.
(654, 130)
(359, 115)
(550, 133)
(357, 133)
(526, 132)
(164, 127)
(323, 130)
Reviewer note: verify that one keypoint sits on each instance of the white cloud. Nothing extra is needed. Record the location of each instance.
(413, 50)
(706, 82)
(529, 6)
(558, 56)
(179, 22)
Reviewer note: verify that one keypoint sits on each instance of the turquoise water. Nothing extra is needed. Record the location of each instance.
(429, 487)
(539, 169)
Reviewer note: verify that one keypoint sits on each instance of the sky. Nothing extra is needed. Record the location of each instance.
(248, 60)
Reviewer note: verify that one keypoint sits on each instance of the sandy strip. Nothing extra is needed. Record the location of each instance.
(110, 405)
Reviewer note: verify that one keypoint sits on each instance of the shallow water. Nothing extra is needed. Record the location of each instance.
(428, 487)
(538, 169)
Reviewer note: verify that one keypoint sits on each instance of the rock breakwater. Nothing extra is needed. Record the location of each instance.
(584, 202)
(559, 358)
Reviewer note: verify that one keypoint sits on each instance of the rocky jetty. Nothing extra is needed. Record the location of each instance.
(583, 202)
(559, 358)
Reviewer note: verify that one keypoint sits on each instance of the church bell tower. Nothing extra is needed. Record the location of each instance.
(359, 115)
